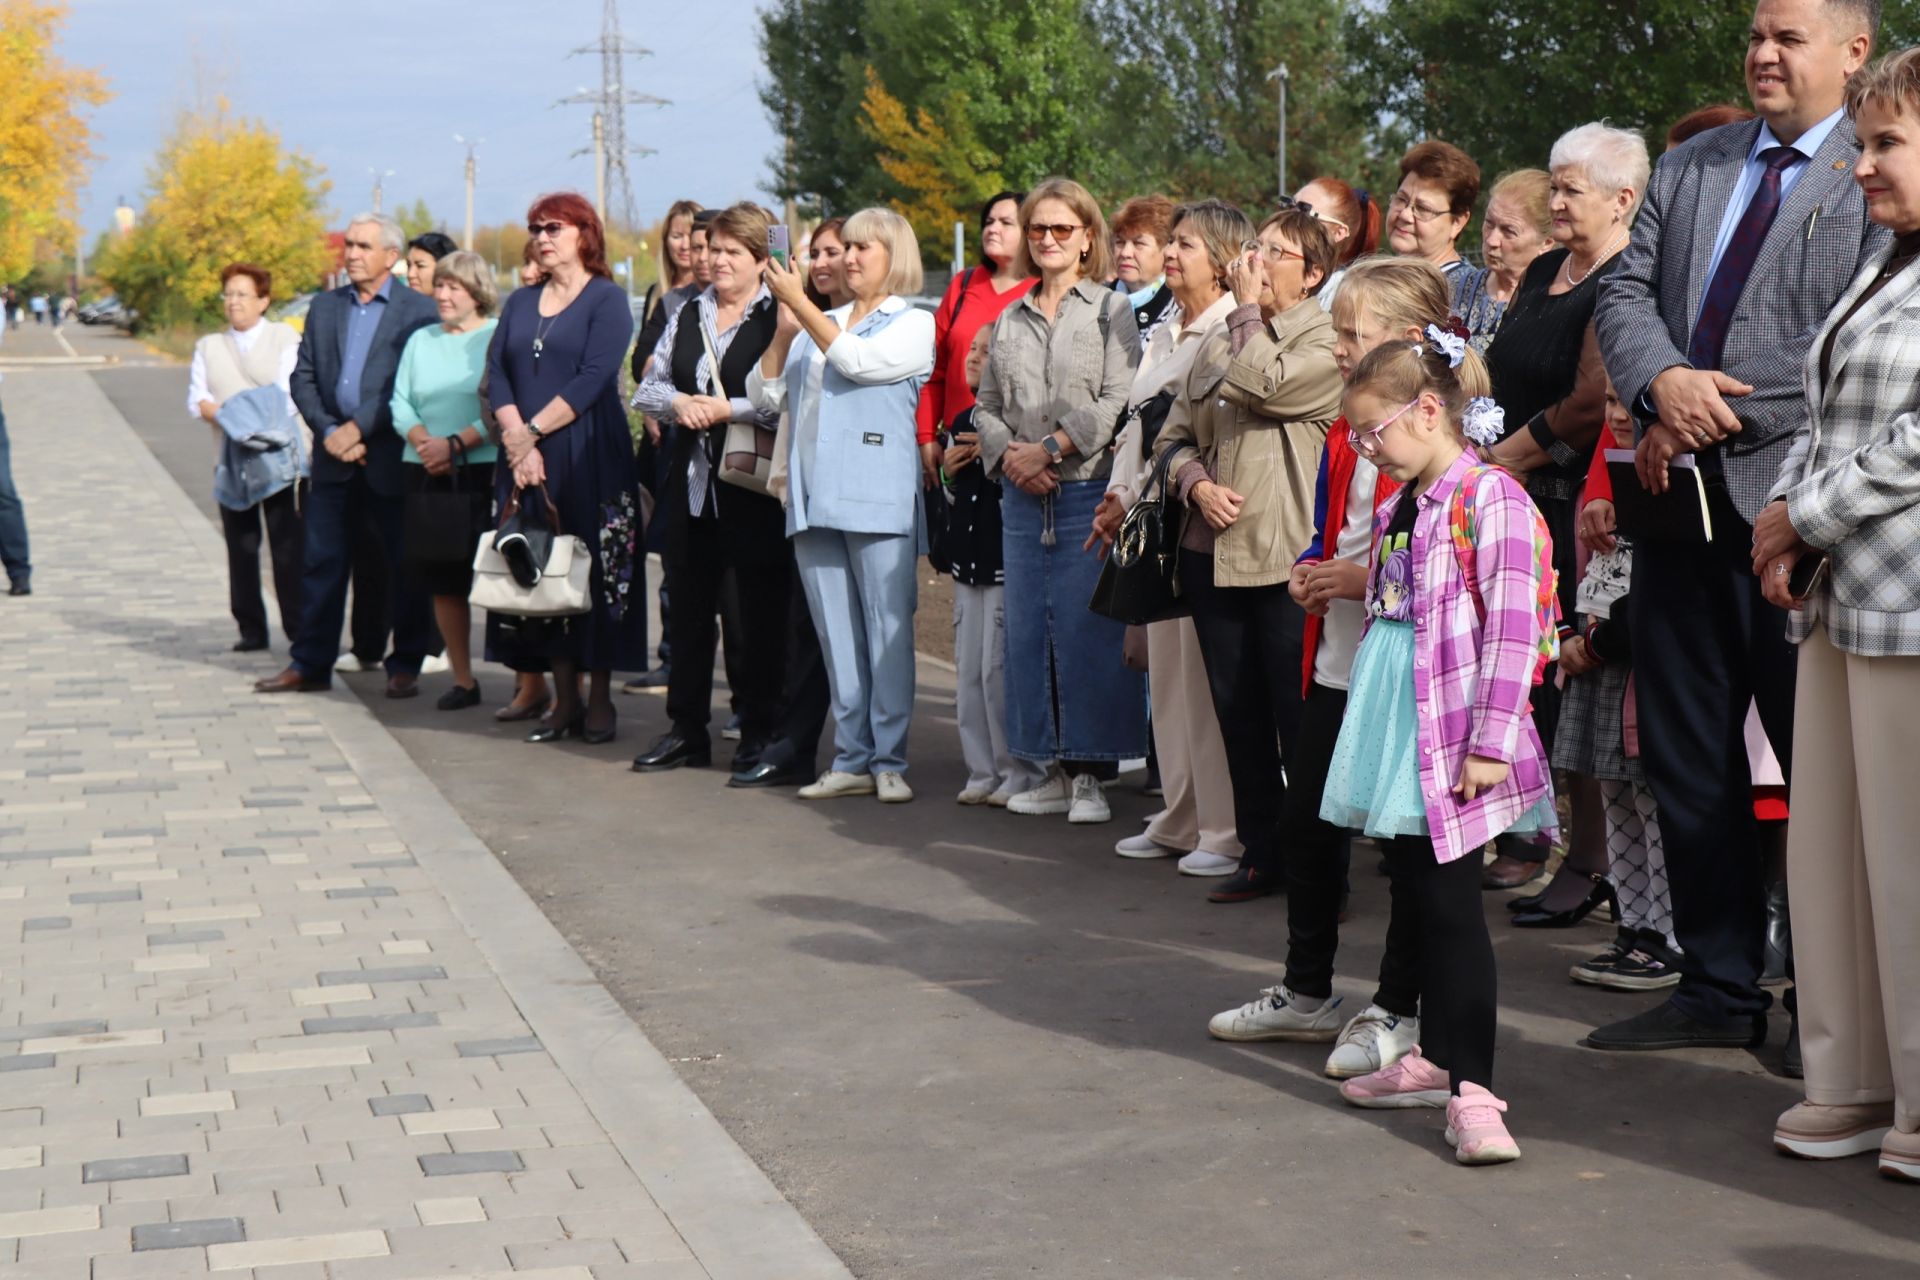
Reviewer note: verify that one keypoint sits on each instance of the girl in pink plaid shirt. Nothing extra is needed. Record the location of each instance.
(1437, 753)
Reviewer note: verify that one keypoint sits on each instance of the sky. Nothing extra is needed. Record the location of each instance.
(358, 85)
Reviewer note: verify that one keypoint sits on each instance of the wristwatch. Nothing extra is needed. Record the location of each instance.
(533, 429)
(1052, 446)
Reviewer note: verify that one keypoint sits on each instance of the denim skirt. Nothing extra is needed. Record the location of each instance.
(1069, 694)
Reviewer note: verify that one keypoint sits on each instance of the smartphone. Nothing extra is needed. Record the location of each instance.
(779, 244)
(1809, 571)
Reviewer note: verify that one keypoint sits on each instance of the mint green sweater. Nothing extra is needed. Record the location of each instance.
(438, 387)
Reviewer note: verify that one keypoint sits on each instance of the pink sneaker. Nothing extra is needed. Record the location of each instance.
(1410, 1082)
(1475, 1130)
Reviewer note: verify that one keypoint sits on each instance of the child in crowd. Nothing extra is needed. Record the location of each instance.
(1592, 739)
(1439, 754)
(979, 614)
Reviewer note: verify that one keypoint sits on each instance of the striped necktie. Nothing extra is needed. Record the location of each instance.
(1736, 264)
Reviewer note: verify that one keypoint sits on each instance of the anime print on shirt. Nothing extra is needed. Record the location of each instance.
(1393, 586)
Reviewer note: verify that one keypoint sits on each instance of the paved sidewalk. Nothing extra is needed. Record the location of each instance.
(267, 1005)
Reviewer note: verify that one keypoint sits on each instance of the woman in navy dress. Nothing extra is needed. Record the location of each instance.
(553, 384)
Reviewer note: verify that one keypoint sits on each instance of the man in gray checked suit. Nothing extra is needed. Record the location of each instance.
(1749, 235)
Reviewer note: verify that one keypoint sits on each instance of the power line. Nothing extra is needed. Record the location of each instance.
(610, 104)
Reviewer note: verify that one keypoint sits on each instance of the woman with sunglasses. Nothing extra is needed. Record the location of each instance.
(1061, 364)
(553, 380)
(1352, 220)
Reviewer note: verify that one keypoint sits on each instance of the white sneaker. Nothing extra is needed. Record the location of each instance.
(977, 795)
(1089, 801)
(1204, 862)
(1142, 847)
(351, 662)
(1000, 799)
(1373, 1041)
(893, 788)
(435, 664)
(1055, 795)
(1273, 1016)
(833, 784)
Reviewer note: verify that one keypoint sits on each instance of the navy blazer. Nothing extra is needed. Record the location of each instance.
(317, 373)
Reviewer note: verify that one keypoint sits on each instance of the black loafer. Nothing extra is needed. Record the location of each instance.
(248, 646)
(654, 679)
(459, 699)
(20, 589)
(671, 751)
(1244, 885)
(768, 773)
(1665, 1027)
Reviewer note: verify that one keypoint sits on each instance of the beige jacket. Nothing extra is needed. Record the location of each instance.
(1258, 422)
(1164, 364)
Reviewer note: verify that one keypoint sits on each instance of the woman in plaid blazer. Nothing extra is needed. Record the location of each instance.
(1849, 491)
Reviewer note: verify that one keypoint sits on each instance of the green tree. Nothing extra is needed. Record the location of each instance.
(416, 219)
(816, 57)
(220, 191)
(941, 169)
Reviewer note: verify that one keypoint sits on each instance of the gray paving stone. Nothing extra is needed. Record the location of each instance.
(184, 937)
(495, 1048)
(402, 973)
(385, 864)
(243, 851)
(44, 924)
(133, 1167)
(367, 891)
(42, 855)
(368, 1022)
(104, 895)
(35, 1031)
(400, 1104)
(26, 1062)
(127, 833)
(270, 802)
(440, 1166)
(184, 1235)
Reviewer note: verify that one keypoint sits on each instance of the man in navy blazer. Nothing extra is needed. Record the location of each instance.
(343, 387)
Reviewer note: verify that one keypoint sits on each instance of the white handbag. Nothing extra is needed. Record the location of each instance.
(560, 591)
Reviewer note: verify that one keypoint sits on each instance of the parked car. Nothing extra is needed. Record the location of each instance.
(107, 310)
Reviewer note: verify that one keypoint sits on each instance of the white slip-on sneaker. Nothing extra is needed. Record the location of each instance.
(1202, 862)
(893, 788)
(435, 664)
(833, 784)
(1000, 799)
(1373, 1041)
(1144, 847)
(1272, 1015)
(1089, 801)
(976, 795)
(1055, 795)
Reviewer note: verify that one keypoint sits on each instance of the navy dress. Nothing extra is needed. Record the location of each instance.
(590, 472)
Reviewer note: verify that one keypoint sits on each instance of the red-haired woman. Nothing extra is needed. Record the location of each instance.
(1351, 219)
(554, 386)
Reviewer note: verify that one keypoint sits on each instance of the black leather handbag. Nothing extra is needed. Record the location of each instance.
(1140, 581)
(444, 519)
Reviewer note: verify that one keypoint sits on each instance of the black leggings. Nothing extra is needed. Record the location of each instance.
(1439, 917)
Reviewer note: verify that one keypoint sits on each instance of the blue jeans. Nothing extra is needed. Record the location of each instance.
(334, 512)
(862, 590)
(13, 517)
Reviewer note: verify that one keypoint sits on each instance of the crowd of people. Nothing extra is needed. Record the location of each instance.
(1587, 538)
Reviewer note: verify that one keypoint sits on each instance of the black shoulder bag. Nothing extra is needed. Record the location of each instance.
(1140, 581)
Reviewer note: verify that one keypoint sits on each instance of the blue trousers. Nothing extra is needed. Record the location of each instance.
(334, 513)
(13, 517)
(862, 591)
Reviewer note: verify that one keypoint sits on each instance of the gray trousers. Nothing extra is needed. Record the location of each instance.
(862, 591)
(980, 696)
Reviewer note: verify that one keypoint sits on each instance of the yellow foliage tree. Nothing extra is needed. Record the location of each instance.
(43, 137)
(220, 191)
(944, 172)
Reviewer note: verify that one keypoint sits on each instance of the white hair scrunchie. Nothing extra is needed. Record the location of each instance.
(1483, 421)
(1453, 344)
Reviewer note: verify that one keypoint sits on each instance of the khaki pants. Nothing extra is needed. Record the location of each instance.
(1853, 870)
(1186, 736)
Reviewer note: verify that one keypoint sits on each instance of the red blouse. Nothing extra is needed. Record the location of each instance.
(970, 305)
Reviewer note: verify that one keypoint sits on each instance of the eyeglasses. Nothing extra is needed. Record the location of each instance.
(551, 230)
(1403, 203)
(239, 297)
(1061, 231)
(1369, 440)
(1272, 252)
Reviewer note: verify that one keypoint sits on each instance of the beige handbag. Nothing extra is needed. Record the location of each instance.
(561, 585)
(746, 454)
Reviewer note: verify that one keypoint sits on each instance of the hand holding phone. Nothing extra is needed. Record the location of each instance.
(779, 244)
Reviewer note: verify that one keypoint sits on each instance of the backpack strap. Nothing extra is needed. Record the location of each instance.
(1463, 532)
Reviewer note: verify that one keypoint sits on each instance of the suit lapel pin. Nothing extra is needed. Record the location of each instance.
(1838, 165)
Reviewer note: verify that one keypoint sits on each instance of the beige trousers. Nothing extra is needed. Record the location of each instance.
(1853, 873)
(1186, 736)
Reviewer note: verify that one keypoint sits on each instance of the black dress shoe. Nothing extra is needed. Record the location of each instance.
(573, 728)
(769, 773)
(1790, 1065)
(1601, 892)
(600, 737)
(1779, 947)
(1665, 1027)
(459, 699)
(248, 646)
(1244, 885)
(654, 679)
(20, 589)
(747, 755)
(671, 751)
(1526, 901)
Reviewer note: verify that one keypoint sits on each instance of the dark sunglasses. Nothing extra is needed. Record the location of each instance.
(551, 229)
(1061, 231)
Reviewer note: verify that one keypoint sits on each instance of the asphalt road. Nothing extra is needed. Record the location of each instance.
(966, 1044)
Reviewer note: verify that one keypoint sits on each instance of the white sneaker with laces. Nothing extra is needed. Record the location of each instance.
(1089, 802)
(1142, 846)
(893, 788)
(1272, 1015)
(833, 784)
(1202, 862)
(1374, 1040)
(1055, 795)
(976, 795)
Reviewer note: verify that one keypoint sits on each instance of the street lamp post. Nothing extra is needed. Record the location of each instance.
(467, 241)
(1280, 74)
(379, 178)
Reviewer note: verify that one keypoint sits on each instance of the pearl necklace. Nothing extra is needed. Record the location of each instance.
(1595, 264)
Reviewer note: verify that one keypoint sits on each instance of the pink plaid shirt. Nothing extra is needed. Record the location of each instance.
(1471, 679)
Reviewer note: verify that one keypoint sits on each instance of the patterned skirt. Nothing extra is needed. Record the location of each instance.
(1591, 738)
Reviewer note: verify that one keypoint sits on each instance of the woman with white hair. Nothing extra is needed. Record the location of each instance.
(1548, 379)
(849, 380)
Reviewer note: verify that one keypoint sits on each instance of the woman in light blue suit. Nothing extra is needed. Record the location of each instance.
(849, 381)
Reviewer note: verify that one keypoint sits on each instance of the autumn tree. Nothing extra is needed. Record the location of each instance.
(941, 169)
(44, 138)
(220, 191)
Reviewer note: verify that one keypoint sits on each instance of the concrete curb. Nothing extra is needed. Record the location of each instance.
(730, 1215)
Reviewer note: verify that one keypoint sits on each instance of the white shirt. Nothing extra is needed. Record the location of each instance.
(244, 339)
(1346, 619)
(904, 349)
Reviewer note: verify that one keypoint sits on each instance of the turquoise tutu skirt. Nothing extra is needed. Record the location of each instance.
(1373, 783)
